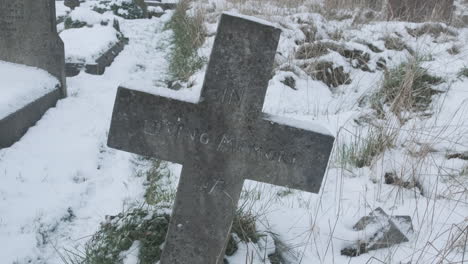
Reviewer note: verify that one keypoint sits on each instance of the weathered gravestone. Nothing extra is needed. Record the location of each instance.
(221, 141)
(420, 10)
(28, 36)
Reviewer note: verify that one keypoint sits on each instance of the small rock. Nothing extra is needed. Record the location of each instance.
(290, 81)
(72, 3)
(374, 48)
(391, 232)
(381, 64)
(465, 19)
(461, 155)
(116, 25)
(176, 85)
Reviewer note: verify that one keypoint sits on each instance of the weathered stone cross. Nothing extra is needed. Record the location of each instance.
(221, 141)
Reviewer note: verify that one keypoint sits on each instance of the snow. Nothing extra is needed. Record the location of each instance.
(251, 18)
(86, 44)
(60, 9)
(156, 9)
(310, 126)
(22, 85)
(131, 255)
(63, 162)
(85, 15)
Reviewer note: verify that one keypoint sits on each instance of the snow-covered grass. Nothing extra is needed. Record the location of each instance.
(21, 85)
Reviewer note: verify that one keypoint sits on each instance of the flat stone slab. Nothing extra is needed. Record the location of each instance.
(387, 231)
(23, 101)
(101, 63)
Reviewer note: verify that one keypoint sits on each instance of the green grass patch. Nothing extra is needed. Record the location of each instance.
(118, 234)
(189, 36)
(463, 72)
(159, 189)
(148, 224)
(70, 23)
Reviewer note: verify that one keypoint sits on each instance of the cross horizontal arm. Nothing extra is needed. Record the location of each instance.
(288, 156)
(152, 125)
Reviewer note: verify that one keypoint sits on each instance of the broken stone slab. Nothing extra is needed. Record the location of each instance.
(458, 155)
(98, 68)
(391, 230)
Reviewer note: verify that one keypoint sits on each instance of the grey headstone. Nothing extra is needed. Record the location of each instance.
(220, 141)
(28, 35)
(390, 231)
(420, 10)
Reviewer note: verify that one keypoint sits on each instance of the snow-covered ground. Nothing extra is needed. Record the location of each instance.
(61, 180)
(21, 85)
(62, 166)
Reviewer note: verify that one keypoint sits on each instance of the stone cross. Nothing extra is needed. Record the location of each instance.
(420, 10)
(220, 141)
(28, 35)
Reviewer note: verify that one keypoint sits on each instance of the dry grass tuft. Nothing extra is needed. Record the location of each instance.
(352, 4)
(407, 87)
(189, 36)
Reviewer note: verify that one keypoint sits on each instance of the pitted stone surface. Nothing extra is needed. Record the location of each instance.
(221, 141)
(28, 35)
